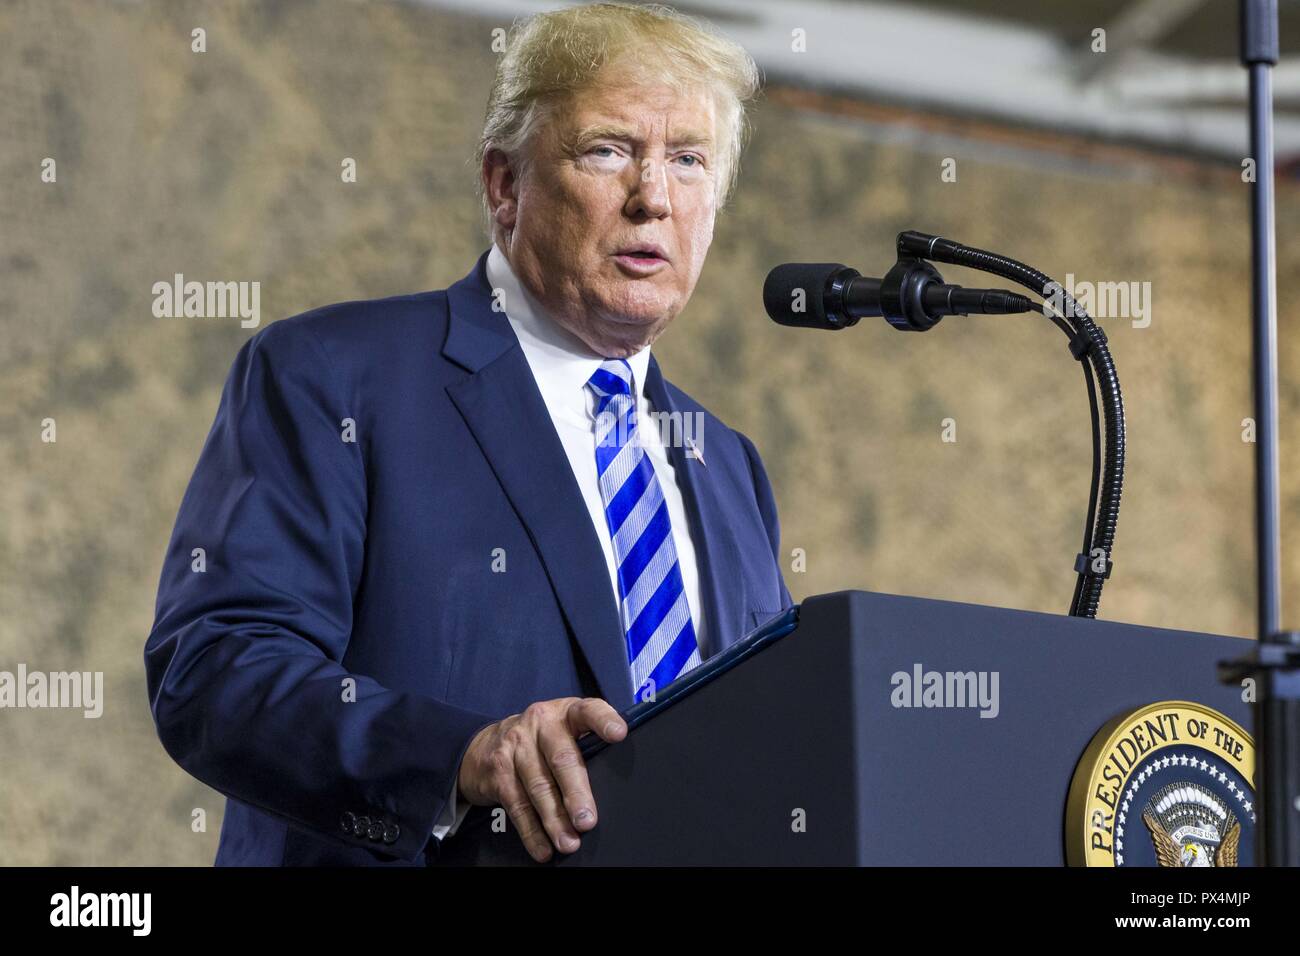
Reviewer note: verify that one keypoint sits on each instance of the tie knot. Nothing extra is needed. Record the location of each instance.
(614, 377)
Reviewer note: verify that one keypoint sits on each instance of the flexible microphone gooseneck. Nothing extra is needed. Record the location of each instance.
(913, 297)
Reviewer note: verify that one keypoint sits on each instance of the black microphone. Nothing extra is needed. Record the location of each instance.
(912, 297)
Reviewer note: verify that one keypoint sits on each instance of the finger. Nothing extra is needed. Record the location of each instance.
(519, 808)
(561, 753)
(594, 714)
(535, 776)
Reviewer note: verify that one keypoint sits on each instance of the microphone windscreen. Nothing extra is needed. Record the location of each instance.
(795, 294)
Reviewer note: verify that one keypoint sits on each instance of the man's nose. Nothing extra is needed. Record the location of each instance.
(650, 195)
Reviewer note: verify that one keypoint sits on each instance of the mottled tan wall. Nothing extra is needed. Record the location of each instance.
(225, 166)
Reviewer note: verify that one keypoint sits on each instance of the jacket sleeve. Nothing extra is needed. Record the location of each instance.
(767, 509)
(254, 614)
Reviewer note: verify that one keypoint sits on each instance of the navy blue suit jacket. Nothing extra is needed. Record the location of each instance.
(326, 658)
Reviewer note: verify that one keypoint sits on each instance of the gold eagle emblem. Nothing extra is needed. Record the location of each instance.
(1192, 853)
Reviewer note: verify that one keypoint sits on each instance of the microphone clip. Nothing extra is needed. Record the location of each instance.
(903, 294)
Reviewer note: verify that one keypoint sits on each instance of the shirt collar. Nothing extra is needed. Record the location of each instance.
(561, 362)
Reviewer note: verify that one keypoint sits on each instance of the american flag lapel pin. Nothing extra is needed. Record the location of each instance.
(694, 451)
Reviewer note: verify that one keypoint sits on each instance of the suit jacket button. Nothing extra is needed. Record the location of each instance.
(375, 830)
(363, 824)
(348, 822)
(391, 833)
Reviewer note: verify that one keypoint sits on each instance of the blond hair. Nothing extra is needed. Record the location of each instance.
(552, 56)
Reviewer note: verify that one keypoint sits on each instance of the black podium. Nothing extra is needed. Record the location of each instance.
(809, 742)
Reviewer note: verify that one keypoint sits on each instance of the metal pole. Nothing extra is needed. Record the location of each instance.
(1277, 660)
(1259, 53)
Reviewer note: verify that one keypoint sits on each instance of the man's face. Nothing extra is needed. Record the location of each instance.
(611, 220)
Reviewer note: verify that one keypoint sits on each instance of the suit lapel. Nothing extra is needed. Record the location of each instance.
(504, 409)
(717, 554)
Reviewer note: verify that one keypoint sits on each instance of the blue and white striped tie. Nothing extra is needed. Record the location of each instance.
(656, 619)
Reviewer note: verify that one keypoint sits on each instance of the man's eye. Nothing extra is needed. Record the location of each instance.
(694, 160)
(610, 149)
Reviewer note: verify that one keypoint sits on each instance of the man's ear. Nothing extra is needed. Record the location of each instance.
(499, 184)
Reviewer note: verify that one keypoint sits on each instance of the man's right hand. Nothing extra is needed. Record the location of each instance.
(530, 764)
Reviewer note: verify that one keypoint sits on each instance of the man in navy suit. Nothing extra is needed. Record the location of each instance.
(432, 540)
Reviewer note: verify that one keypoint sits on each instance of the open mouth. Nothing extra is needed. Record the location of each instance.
(640, 263)
(643, 253)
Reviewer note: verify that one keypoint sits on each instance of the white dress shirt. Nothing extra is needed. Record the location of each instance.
(561, 364)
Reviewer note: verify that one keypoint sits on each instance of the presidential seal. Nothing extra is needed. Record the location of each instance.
(1170, 784)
